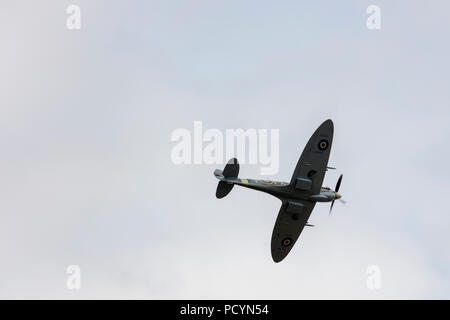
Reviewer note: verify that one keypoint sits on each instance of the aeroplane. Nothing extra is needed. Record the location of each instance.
(298, 197)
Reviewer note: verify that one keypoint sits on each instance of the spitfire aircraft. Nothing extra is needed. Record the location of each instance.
(298, 196)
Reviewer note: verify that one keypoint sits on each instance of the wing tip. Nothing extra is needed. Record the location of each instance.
(328, 122)
(277, 260)
(277, 257)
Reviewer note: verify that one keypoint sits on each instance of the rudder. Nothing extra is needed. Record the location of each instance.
(231, 170)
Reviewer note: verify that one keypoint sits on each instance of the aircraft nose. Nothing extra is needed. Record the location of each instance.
(337, 195)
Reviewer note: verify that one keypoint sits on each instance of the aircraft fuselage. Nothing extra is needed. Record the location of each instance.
(283, 190)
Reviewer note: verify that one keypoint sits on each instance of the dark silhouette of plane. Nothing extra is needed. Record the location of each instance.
(298, 197)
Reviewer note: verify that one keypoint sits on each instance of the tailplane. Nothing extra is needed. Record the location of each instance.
(231, 170)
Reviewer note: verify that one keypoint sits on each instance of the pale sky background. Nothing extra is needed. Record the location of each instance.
(86, 176)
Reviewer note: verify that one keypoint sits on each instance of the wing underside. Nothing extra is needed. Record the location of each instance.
(312, 165)
(291, 220)
(306, 181)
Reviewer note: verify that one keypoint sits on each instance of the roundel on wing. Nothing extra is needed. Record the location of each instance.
(286, 242)
(323, 144)
(267, 182)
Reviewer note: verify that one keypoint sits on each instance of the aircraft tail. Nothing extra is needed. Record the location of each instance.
(231, 170)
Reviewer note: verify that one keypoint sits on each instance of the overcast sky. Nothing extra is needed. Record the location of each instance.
(86, 176)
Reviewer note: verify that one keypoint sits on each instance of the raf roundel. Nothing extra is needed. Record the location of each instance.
(323, 145)
(286, 242)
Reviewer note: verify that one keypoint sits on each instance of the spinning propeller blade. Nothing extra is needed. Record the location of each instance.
(338, 185)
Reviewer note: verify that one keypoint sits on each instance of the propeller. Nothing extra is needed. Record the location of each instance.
(336, 189)
(338, 183)
(331, 208)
